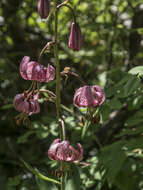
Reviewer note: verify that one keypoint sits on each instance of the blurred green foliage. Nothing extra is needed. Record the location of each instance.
(112, 57)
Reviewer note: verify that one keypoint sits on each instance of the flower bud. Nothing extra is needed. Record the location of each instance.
(27, 104)
(43, 8)
(64, 151)
(75, 39)
(89, 96)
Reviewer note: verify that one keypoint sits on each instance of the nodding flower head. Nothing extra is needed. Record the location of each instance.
(27, 104)
(75, 38)
(62, 150)
(43, 8)
(31, 70)
(89, 96)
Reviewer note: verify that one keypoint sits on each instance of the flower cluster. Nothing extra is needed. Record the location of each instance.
(27, 103)
(31, 70)
(89, 96)
(86, 96)
(64, 151)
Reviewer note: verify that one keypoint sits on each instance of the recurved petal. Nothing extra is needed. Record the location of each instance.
(53, 149)
(38, 73)
(23, 67)
(20, 104)
(33, 107)
(83, 97)
(29, 70)
(25, 107)
(80, 149)
(18, 99)
(98, 94)
(49, 73)
(37, 107)
(76, 154)
(63, 151)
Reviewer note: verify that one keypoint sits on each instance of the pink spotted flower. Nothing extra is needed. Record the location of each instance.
(27, 104)
(31, 70)
(62, 150)
(89, 96)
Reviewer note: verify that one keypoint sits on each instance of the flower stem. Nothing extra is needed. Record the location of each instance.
(70, 8)
(97, 141)
(58, 98)
(58, 107)
(63, 176)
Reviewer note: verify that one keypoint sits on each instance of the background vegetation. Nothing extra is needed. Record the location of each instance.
(112, 57)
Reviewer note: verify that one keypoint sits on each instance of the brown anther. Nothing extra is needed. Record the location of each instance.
(82, 121)
(18, 122)
(67, 70)
(31, 96)
(96, 119)
(25, 93)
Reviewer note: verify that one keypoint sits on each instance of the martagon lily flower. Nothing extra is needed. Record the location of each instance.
(62, 150)
(89, 96)
(27, 104)
(31, 70)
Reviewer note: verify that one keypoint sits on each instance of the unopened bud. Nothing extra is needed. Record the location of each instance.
(75, 39)
(43, 8)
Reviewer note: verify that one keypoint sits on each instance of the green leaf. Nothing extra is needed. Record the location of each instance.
(113, 157)
(37, 173)
(138, 70)
(85, 128)
(135, 143)
(132, 85)
(115, 104)
(129, 132)
(13, 181)
(127, 86)
(8, 106)
(105, 112)
(74, 182)
(24, 138)
(45, 185)
(136, 119)
(126, 178)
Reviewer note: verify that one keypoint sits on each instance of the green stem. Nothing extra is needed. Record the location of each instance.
(70, 8)
(97, 141)
(58, 102)
(58, 99)
(63, 176)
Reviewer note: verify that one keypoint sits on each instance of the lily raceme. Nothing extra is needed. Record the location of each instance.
(27, 103)
(31, 70)
(89, 96)
(62, 150)
(75, 39)
(43, 8)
